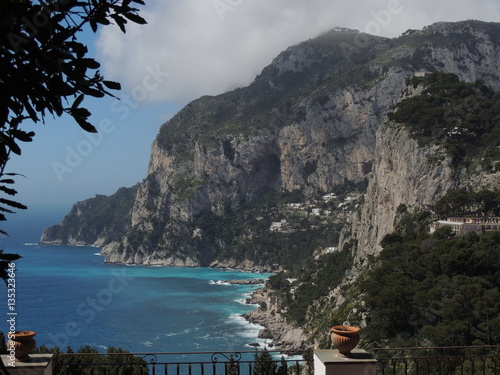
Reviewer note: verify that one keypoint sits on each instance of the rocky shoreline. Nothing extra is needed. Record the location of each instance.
(284, 336)
(278, 333)
(245, 282)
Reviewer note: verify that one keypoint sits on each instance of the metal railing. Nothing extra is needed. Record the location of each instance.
(473, 360)
(449, 360)
(187, 363)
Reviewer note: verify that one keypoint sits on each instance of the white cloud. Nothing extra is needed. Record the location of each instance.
(211, 46)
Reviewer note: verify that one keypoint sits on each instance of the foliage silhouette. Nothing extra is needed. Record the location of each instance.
(45, 70)
(117, 361)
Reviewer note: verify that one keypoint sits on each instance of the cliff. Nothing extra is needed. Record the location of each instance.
(413, 168)
(310, 122)
(95, 221)
(285, 336)
(403, 174)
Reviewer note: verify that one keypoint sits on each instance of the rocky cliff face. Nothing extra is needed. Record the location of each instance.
(403, 175)
(409, 175)
(310, 121)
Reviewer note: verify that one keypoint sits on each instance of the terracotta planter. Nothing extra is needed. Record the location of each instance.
(345, 338)
(22, 343)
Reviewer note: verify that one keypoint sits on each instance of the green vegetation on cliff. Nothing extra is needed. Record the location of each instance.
(463, 202)
(93, 218)
(310, 284)
(422, 290)
(434, 289)
(464, 118)
(246, 235)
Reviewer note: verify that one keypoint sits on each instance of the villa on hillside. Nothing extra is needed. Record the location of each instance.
(463, 225)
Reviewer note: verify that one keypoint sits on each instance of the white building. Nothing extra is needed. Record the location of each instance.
(460, 226)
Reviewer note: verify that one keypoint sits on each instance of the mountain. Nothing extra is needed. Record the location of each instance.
(226, 168)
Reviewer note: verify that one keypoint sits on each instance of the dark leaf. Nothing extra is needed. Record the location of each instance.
(90, 63)
(93, 25)
(7, 181)
(102, 20)
(58, 18)
(10, 257)
(31, 111)
(8, 190)
(79, 48)
(17, 205)
(135, 18)
(120, 22)
(22, 135)
(57, 86)
(80, 112)
(93, 92)
(16, 121)
(3, 209)
(55, 101)
(10, 143)
(112, 85)
(78, 101)
(85, 125)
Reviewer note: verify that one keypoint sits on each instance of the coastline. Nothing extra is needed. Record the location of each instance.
(222, 328)
(112, 257)
(274, 331)
(282, 334)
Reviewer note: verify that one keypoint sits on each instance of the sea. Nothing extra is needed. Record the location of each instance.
(71, 298)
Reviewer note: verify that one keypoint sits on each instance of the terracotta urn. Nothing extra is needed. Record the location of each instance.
(345, 339)
(22, 343)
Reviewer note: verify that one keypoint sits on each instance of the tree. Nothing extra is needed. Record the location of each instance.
(447, 295)
(264, 364)
(117, 359)
(45, 70)
(463, 202)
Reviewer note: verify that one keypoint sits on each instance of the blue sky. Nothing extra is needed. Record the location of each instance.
(189, 48)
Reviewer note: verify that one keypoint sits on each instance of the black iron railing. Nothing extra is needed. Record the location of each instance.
(449, 360)
(474, 360)
(188, 363)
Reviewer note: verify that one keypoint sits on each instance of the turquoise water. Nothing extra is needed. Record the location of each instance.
(70, 297)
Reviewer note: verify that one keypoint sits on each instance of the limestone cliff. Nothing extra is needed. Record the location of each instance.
(410, 176)
(405, 174)
(309, 122)
(402, 174)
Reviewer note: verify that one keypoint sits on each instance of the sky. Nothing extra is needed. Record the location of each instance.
(189, 48)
